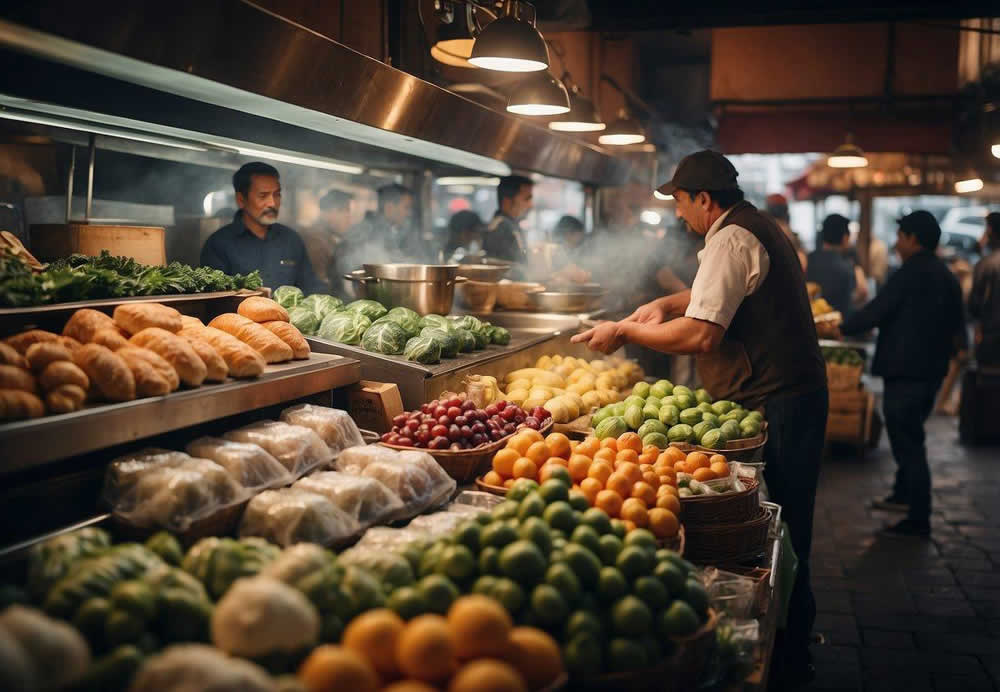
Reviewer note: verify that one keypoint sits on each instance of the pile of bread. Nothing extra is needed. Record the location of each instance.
(145, 349)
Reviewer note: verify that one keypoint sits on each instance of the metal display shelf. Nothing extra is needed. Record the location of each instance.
(31, 443)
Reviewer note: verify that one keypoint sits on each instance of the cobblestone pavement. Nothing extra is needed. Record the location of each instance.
(905, 613)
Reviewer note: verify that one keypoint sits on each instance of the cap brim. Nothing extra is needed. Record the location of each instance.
(667, 188)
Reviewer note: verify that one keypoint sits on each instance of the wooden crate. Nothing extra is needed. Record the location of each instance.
(145, 244)
(848, 401)
(853, 427)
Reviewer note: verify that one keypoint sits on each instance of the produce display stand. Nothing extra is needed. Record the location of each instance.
(768, 623)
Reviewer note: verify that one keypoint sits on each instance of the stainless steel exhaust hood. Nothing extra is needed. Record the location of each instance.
(230, 70)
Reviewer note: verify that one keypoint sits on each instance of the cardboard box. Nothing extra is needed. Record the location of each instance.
(373, 405)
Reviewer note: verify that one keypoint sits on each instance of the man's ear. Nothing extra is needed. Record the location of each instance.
(241, 201)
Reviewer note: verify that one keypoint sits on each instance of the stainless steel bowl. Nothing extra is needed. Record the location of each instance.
(484, 272)
(424, 288)
(566, 301)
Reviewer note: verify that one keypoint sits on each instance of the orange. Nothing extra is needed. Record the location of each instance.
(545, 472)
(509, 483)
(579, 466)
(630, 440)
(600, 472)
(480, 627)
(532, 435)
(558, 461)
(373, 635)
(588, 447)
(609, 502)
(663, 523)
(674, 454)
(426, 649)
(651, 478)
(538, 452)
(647, 458)
(634, 510)
(631, 472)
(720, 469)
(645, 492)
(668, 489)
(697, 460)
(704, 475)
(681, 467)
(628, 455)
(519, 443)
(667, 481)
(590, 487)
(525, 468)
(620, 484)
(487, 674)
(643, 467)
(494, 478)
(573, 444)
(332, 667)
(630, 525)
(651, 449)
(503, 462)
(716, 458)
(605, 454)
(536, 656)
(558, 445)
(670, 502)
(610, 443)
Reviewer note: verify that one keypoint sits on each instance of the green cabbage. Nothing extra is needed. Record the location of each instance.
(423, 349)
(372, 309)
(321, 304)
(304, 319)
(437, 322)
(288, 296)
(448, 341)
(344, 327)
(387, 338)
(467, 340)
(468, 322)
(499, 336)
(482, 338)
(405, 318)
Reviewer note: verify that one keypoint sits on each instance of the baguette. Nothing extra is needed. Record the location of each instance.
(134, 317)
(10, 356)
(241, 360)
(18, 405)
(288, 333)
(63, 372)
(257, 337)
(41, 354)
(260, 309)
(111, 338)
(165, 369)
(176, 351)
(108, 374)
(188, 321)
(216, 367)
(148, 382)
(21, 342)
(65, 399)
(12, 377)
(85, 323)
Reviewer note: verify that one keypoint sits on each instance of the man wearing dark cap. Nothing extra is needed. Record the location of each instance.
(830, 266)
(747, 320)
(921, 325)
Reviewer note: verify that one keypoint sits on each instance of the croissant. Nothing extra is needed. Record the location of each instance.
(41, 354)
(188, 321)
(107, 372)
(85, 323)
(242, 360)
(21, 342)
(260, 309)
(63, 372)
(70, 343)
(215, 364)
(176, 351)
(288, 333)
(10, 356)
(17, 405)
(165, 369)
(134, 317)
(65, 399)
(12, 377)
(111, 338)
(257, 337)
(148, 382)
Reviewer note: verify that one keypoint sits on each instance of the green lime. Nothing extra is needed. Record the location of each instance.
(531, 506)
(505, 510)
(439, 592)
(523, 562)
(652, 592)
(408, 602)
(560, 516)
(510, 594)
(484, 585)
(618, 528)
(554, 490)
(584, 655)
(683, 565)
(535, 529)
(122, 627)
(467, 534)
(625, 655)
(671, 576)
(597, 520)
(642, 538)
(653, 650)
(588, 538)
(489, 560)
(558, 534)
(578, 501)
(611, 584)
(429, 560)
(558, 542)
(584, 564)
(630, 617)
(641, 389)
(548, 605)
(611, 546)
(135, 597)
(561, 474)
(521, 488)
(582, 622)
(91, 616)
(497, 535)
(694, 594)
(564, 580)
(634, 562)
(483, 519)
(457, 562)
(413, 552)
(679, 620)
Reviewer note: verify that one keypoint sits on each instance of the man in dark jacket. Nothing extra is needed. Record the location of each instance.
(920, 321)
(984, 300)
(504, 239)
(829, 265)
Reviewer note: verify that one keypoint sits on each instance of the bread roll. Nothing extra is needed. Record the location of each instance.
(148, 382)
(10, 356)
(108, 374)
(65, 399)
(70, 343)
(18, 405)
(62, 372)
(288, 333)
(111, 338)
(216, 367)
(41, 354)
(21, 342)
(257, 337)
(176, 351)
(188, 321)
(165, 369)
(134, 317)
(242, 360)
(85, 323)
(260, 309)
(12, 377)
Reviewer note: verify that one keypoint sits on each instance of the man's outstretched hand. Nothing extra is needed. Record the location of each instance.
(605, 337)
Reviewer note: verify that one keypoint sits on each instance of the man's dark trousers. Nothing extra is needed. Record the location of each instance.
(906, 405)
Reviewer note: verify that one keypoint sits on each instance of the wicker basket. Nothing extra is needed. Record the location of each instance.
(734, 543)
(221, 523)
(724, 508)
(750, 450)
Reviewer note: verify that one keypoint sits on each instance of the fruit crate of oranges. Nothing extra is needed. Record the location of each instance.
(627, 480)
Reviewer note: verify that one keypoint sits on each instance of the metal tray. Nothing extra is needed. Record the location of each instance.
(30, 443)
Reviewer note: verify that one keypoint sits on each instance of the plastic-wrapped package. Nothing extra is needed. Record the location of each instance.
(170, 490)
(444, 483)
(410, 483)
(291, 515)
(299, 449)
(366, 499)
(479, 501)
(249, 464)
(388, 539)
(356, 459)
(439, 524)
(391, 568)
(335, 427)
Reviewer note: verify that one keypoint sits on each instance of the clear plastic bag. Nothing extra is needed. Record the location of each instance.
(290, 515)
(410, 483)
(388, 539)
(439, 524)
(444, 483)
(335, 427)
(251, 465)
(356, 459)
(479, 501)
(299, 449)
(391, 568)
(168, 489)
(366, 499)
